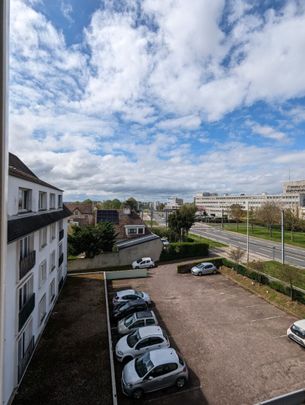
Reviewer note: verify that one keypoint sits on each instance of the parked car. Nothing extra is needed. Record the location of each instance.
(140, 341)
(136, 320)
(153, 371)
(203, 268)
(297, 332)
(130, 295)
(165, 241)
(129, 308)
(143, 263)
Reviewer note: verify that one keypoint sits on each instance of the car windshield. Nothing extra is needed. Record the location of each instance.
(139, 294)
(124, 306)
(143, 365)
(138, 261)
(133, 338)
(298, 331)
(128, 321)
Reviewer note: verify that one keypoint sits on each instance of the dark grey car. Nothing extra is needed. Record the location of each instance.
(129, 308)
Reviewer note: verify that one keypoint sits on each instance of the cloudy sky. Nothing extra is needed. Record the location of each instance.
(156, 98)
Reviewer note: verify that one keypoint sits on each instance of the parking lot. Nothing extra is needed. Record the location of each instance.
(234, 342)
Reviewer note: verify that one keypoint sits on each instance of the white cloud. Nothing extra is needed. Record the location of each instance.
(186, 122)
(269, 132)
(67, 10)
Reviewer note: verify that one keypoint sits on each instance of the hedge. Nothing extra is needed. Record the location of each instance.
(182, 250)
(186, 268)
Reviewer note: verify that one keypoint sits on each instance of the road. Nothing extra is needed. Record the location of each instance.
(261, 247)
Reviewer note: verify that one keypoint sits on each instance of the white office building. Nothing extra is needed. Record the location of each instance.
(293, 197)
(174, 203)
(36, 266)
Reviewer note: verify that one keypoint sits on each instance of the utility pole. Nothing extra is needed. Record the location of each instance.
(151, 215)
(4, 29)
(283, 236)
(222, 218)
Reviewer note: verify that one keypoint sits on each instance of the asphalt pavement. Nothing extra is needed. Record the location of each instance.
(260, 247)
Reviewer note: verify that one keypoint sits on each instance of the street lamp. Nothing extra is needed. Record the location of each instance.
(247, 207)
(283, 235)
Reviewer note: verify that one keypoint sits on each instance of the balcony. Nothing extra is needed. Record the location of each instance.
(26, 357)
(61, 234)
(61, 283)
(26, 264)
(26, 311)
(60, 259)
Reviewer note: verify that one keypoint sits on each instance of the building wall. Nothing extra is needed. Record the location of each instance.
(13, 283)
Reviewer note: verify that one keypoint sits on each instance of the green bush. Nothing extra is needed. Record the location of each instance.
(186, 268)
(182, 250)
(165, 233)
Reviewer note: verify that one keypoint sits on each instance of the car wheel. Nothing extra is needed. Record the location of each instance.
(137, 394)
(137, 267)
(126, 360)
(180, 382)
(215, 271)
(200, 274)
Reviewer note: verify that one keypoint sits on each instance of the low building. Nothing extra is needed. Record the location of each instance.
(219, 205)
(82, 213)
(173, 204)
(127, 223)
(36, 266)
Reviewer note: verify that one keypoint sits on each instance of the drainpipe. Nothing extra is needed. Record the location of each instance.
(4, 22)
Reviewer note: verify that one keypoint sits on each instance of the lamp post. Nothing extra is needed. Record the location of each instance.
(247, 207)
(283, 235)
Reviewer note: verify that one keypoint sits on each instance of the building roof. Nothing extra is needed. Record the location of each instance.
(83, 208)
(137, 241)
(18, 169)
(22, 226)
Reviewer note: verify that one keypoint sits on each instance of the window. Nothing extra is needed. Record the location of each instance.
(43, 237)
(52, 290)
(42, 201)
(26, 246)
(24, 200)
(59, 201)
(52, 201)
(42, 273)
(60, 225)
(42, 310)
(53, 231)
(52, 261)
(140, 231)
(25, 347)
(132, 231)
(25, 292)
(150, 322)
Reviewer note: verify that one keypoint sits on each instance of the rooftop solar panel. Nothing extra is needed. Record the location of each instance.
(107, 216)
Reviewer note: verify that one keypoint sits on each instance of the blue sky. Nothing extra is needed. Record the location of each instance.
(154, 98)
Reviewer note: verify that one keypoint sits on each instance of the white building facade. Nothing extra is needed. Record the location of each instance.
(174, 203)
(218, 205)
(36, 266)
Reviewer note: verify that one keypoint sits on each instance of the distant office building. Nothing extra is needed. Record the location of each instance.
(293, 198)
(36, 266)
(174, 203)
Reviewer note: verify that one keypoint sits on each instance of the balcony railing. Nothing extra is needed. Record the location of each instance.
(60, 284)
(26, 357)
(26, 311)
(61, 234)
(26, 264)
(60, 259)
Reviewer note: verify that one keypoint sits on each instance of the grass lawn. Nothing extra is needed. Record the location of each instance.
(273, 269)
(211, 243)
(262, 232)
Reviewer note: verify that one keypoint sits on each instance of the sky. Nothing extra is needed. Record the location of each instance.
(158, 98)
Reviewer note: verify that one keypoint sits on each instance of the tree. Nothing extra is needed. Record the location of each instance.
(290, 275)
(110, 204)
(87, 201)
(292, 221)
(182, 220)
(269, 214)
(236, 213)
(252, 218)
(132, 203)
(236, 254)
(92, 240)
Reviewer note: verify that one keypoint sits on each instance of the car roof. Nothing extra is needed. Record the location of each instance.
(150, 331)
(124, 292)
(144, 314)
(162, 356)
(300, 323)
(133, 303)
(205, 264)
(146, 258)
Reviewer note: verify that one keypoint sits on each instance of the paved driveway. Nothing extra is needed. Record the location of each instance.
(234, 342)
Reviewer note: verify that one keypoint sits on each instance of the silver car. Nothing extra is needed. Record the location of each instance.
(135, 321)
(140, 341)
(153, 371)
(130, 295)
(203, 268)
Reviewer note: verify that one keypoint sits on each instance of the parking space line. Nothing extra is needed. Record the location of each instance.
(174, 394)
(266, 319)
(281, 336)
(255, 305)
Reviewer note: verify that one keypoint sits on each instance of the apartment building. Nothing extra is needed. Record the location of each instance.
(218, 205)
(36, 266)
(174, 203)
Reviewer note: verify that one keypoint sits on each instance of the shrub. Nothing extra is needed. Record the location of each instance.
(181, 250)
(186, 268)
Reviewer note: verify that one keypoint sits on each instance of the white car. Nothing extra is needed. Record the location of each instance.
(297, 332)
(135, 321)
(203, 268)
(140, 341)
(165, 241)
(121, 297)
(143, 263)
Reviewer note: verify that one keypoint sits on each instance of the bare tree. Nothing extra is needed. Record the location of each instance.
(290, 275)
(292, 221)
(236, 254)
(269, 214)
(236, 213)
